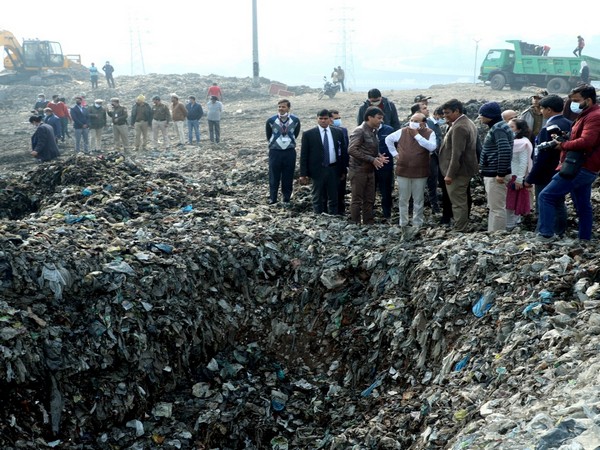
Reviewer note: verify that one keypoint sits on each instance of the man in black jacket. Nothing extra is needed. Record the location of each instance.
(321, 161)
(390, 114)
(546, 161)
(43, 143)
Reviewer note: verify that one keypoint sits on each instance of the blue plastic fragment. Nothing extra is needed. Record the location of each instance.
(187, 208)
(461, 364)
(482, 306)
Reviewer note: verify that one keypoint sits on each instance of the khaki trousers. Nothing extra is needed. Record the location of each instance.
(457, 192)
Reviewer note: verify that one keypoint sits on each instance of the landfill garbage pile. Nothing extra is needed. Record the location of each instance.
(143, 309)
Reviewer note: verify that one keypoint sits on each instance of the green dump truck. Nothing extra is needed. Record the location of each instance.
(526, 65)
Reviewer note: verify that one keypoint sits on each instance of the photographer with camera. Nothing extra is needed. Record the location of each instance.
(578, 168)
(546, 157)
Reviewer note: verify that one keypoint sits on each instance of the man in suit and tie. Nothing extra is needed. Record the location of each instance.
(321, 161)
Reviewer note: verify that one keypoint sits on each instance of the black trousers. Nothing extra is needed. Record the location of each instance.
(282, 164)
(384, 180)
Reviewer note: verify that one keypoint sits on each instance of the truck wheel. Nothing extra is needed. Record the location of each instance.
(497, 82)
(558, 86)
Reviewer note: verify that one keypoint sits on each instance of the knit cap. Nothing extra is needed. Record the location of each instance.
(491, 110)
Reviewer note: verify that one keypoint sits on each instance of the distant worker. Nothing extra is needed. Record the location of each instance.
(580, 45)
(334, 76)
(585, 72)
(94, 76)
(545, 50)
(97, 114)
(390, 114)
(54, 122)
(179, 115)
(215, 90)
(341, 77)
(119, 120)
(108, 73)
(141, 121)
(194, 114)
(40, 104)
(161, 117)
(43, 142)
(81, 125)
(282, 130)
(214, 109)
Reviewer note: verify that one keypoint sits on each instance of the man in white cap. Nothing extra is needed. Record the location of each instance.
(97, 115)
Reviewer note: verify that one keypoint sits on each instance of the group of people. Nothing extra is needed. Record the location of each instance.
(108, 70)
(158, 117)
(526, 161)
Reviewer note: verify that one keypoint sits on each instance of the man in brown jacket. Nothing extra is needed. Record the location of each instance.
(179, 114)
(364, 159)
(458, 160)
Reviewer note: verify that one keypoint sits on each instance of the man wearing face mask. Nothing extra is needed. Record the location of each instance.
(40, 104)
(81, 125)
(282, 130)
(412, 146)
(584, 138)
(97, 123)
(390, 114)
(434, 164)
(54, 122)
(336, 122)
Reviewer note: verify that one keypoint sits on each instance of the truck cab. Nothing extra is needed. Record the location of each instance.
(496, 64)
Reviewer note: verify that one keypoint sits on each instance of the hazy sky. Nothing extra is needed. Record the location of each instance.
(299, 41)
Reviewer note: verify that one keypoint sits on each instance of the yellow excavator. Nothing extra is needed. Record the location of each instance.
(37, 62)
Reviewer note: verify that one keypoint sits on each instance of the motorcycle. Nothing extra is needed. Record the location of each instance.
(329, 89)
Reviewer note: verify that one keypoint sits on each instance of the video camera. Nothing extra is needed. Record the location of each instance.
(557, 136)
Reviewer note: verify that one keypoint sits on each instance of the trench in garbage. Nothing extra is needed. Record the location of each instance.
(301, 332)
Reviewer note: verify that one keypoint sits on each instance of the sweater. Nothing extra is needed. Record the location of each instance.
(496, 153)
(520, 164)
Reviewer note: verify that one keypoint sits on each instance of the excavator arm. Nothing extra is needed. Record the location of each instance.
(13, 50)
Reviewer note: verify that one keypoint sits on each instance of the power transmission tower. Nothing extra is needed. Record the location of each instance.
(132, 47)
(343, 29)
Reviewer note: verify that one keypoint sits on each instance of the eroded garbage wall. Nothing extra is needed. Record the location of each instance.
(142, 310)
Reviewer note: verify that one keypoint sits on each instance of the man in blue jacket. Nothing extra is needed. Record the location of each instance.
(194, 115)
(546, 161)
(43, 143)
(390, 113)
(81, 125)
